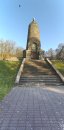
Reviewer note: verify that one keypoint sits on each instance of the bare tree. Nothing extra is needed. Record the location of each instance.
(60, 51)
(50, 53)
(8, 49)
(19, 52)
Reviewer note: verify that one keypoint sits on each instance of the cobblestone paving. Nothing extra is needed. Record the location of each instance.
(32, 108)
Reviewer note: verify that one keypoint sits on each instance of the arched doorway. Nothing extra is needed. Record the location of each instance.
(34, 51)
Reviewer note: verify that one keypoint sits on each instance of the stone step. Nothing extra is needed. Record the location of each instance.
(42, 76)
(27, 81)
(57, 81)
(39, 72)
(54, 79)
(38, 78)
(48, 83)
(45, 75)
(35, 68)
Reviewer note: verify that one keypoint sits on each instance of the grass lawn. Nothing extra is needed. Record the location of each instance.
(59, 65)
(8, 71)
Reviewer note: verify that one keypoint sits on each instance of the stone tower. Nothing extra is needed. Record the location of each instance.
(33, 41)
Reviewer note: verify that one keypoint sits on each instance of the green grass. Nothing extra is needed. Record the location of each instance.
(8, 71)
(59, 65)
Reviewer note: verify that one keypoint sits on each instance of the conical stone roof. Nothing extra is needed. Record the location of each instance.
(33, 31)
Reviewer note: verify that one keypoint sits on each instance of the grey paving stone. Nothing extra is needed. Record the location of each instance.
(11, 128)
(38, 128)
(47, 128)
(3, 128)
(34, 108)
(29, 128)
(21, 128)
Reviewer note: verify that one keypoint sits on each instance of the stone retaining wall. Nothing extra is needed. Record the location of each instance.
(57, 72)
(20, 72)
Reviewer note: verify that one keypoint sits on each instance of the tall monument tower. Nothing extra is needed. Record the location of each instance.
(33, 41)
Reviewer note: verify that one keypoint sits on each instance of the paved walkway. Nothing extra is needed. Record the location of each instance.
(33, 108)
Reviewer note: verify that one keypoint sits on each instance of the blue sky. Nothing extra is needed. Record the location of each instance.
(49, 14)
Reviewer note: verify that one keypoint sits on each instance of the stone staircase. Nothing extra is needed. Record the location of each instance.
(37, 71)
